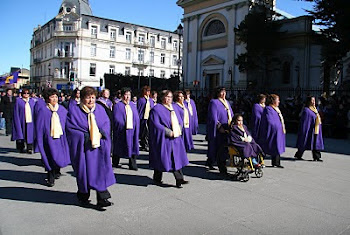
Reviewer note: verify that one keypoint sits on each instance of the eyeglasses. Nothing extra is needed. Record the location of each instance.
(168, 96)
(25, 93)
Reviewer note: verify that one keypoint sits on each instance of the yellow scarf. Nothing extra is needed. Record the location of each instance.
(229, 115)
(28, 111)
(190, 106)
(281, 118)
(318, 119)
(95, 135)
(262, 105)
(186, 116)
(174, 121)
(56, 128)
(129, 116)
(147, 108)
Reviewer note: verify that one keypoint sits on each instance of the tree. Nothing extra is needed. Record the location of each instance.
(261, 34)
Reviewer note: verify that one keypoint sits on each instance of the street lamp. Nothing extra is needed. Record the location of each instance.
(180, 32)
(231, 75)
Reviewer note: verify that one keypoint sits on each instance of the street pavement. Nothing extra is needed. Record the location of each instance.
(305, 197)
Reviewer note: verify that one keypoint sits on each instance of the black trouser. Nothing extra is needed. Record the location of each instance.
(144, 136)
(158, 175)
(8, 125)
(20, 146)
(100, 195)
(132, 161)
(276, 160)
(221, 159)
(316, 154)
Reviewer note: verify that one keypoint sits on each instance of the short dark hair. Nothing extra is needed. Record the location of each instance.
(164, 93)
(144, 90)
(25, 90)
(177, 94)
(237, 115)
(125, 89)
(219, 90)
(86, 91)
(49, 92)
(74, 94)
(187, 92)
(308, 100)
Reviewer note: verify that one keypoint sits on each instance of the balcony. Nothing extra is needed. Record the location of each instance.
(65, 34)
(64, 54)
(141, 44)
(140, 64)
(37, 60)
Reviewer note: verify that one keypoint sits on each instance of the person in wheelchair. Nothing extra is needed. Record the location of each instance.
(241, 139)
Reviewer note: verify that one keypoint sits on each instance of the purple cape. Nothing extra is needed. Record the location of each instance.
(306, 133)
(141, 105)
(38, 105)
(165, 153)
(216, 114)
(106, 102)
(125, 142)
(271, 137)
(251, 149)
(255, 120)
(54, 152)
(193, 118)
(93, 167)
(20, 129)
(187, 132)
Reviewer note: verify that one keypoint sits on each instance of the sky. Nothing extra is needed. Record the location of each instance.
(18, 18)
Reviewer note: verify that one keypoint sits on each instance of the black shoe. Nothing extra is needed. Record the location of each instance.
(84, 203)
(279, 166)
(104, 203)
(50, 183)
(318, 160)
(22, 151)
(30, 151)
(57, 174)
(133, 168)
(157, 182)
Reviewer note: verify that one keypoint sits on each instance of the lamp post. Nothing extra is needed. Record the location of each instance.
(180, 32)
(231, 75)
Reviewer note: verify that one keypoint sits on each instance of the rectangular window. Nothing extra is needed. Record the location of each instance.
(175, 46)
(111, 69)
(112, 52)
(153, 41)
(162, 74)
(163, 43)
(174, 60)
(162, 58)
(128, 37)
(127, 54)
(94, 31)
(141, 38)
(67, 27)
(127, 71)
(141, 55)
(93, 49)
(92, 69)
(151, 72)
(151, 55)
(141, 72)
(113, 34)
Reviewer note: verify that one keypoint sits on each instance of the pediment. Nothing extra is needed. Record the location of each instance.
(212, 60)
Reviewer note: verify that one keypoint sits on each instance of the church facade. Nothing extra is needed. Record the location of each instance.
(80, 48)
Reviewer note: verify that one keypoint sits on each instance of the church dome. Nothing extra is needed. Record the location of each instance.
(80, 7)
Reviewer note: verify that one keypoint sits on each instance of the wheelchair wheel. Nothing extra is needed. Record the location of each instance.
(259, 172)
(244, 177)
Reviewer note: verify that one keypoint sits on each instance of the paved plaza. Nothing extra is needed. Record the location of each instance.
(304, 198)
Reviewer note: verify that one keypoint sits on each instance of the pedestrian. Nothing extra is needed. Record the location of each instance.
(167, 151)
(104, 99)
(191, 105)
(126, 124)
(154, 96)
(185, 116)
(75, 98)
(257, 111)
(144, 106)
(2, 119)
(6, 110)
(220, 115)
(23, 122)
(88, 134)
(272, 131)
(51, 135)
(310, 131)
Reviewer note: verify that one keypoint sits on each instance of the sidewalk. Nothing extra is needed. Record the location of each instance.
(304, 198)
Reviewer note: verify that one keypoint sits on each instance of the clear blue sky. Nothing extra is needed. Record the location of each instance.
(19, 17)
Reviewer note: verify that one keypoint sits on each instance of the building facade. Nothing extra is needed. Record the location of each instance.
(77, 46)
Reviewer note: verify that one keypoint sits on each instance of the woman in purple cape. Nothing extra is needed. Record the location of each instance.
(185, 116)
(220, 115)
(88, 134)
(144, 105)
(310, 131)
(125, 130)
(272, 133)
(257, 111)
(75, 98)
(166, 147)
(23, 122)
(191, 106)
(51, 135)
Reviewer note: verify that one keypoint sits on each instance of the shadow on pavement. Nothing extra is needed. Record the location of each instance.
(19, 161)
(23, 176)
(135, 180)
(8, 150)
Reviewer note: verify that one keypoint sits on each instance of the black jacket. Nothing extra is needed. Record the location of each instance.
(6, 106)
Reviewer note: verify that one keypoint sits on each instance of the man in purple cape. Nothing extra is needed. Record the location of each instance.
(126, 138)
(191, 106)
(186, 129)
(310, 131)
(219, 115)
(90, 160)
(272, 134)
(23, 122)
(166, 147)
(257, 111)
(144, 104)
(53, 147)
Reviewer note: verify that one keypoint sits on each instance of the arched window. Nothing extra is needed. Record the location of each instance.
(214, 27)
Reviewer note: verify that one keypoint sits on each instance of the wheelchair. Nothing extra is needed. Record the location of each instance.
(243, 165)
